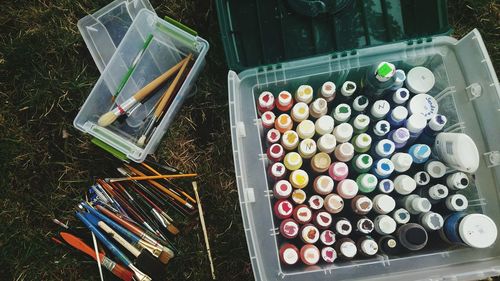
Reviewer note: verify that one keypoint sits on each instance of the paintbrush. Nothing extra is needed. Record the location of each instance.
(162, 166)
(77, 243)
(116, 252)
(120, 109)
(110, 180)
(160, 107)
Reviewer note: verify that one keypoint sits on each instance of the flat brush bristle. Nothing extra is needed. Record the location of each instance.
(172, 229)
(164, 257)
(106, 119)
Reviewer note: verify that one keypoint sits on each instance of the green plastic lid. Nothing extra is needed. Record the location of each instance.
(264, 32)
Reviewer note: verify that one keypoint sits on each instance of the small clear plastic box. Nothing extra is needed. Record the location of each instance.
(169, 45)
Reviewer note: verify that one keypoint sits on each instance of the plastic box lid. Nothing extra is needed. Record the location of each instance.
(262, 32)
(104, 30)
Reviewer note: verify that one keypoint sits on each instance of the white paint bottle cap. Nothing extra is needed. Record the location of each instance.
(423, 104)
(458, 151)
(420, 80)
(478, 231)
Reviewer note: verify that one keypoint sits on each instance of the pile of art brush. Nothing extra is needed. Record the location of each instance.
(132, 216)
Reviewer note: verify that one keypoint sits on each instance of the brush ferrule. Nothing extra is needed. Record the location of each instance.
(121, 109)
(138, 274)
(107, 263)
(159, 217)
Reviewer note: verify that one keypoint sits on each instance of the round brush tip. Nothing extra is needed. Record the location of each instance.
(141, 140)
(106, 119)
(172, 229)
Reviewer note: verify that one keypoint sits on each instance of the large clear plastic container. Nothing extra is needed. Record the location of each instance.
(468, 93)
(169, 45)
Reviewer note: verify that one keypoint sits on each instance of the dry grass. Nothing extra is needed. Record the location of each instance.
(45, 164)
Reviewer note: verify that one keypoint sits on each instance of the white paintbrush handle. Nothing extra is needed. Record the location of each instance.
(133, 250)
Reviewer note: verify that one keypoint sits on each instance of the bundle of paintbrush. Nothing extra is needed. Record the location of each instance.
(133, 216)
(180, 70)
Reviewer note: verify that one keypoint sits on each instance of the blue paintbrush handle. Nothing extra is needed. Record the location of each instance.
(116, 252)
(123, 231)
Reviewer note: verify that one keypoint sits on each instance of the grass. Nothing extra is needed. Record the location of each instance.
(46, 73)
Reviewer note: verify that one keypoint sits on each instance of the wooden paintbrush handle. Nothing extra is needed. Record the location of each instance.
(146, 90)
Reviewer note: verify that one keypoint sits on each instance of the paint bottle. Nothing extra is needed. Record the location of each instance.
(435, 169)
(304, 94)
(265, 102)
(423, 104)
(361, 204)
(379, 109)
(360, 104)
(307, 148)
(338, 171)
(348, 89)
(415, 204)
(309, 254)
(324, 125)
(364, 225)
(389, 245)
(420, 80)
(434, 193)
(366, 183)
(383, 149)
(342, 113)
(273, 136)
(284, 102)
(318, 108)
(299, 179)
(283, 123)
(384, 225)
(283, 209)
(275, 152)
(362, 142)
(347, 189)
(342, 226)
(346, 249)
(398, 116)
(302, 214)
(322, 220)
(379, 78)
(282, 189)
(276, 171)
(333, 203)
(422, 178)
(402, 162)
(309, 234)
(399, 79)
(290, 140)
(327, 237)
(457, 181)
(399, 136)
(360, 123)
(328, 91)
(401, 96)
(431, 221)
(367, 246)
(300, 112)
(343, 132)
(456, 203)
(327, 143)
(412, 236)
(299, 196)
(323, 185)
(386, 186)
(306, 129)
(435, 125)
(315, 202)
(292, 161)
(289, 228)
(328, 254)
(362, 163)
(415, 124)
(344, 152)
(381, 129)
(268, 118)
(320, 162)
(383, 204)
(473, 230)
(289, 254)
(382, 168)
(457, 151)
(420, 153)
(401, 216)
(404, 184)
